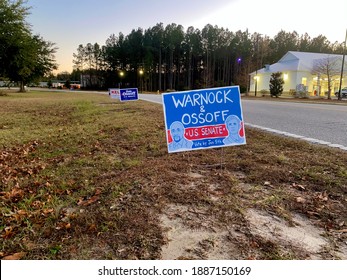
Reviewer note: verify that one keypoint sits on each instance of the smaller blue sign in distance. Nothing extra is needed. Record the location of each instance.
(129, 94)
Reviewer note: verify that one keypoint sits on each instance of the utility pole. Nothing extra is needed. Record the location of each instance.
(343, 63)
(256, 65)
(256, 82)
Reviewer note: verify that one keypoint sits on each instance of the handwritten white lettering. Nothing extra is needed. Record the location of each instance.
(202, 118)
(200, 99)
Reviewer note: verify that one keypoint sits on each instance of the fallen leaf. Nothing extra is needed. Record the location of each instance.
(9, 232)
(91, 200)
(14, 195)
(22, 212)
(92, 227)
(299, 187)
(15, 256)
(300, 199)
(48, 211)
(341, 223)
(97, 191)
(323, 196)
(29, 245)
(37, 204)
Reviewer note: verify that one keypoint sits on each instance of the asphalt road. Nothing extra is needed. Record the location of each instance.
(318, 123)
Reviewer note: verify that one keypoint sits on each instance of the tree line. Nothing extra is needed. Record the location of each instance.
(169, 58)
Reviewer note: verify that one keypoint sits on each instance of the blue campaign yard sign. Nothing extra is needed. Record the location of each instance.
(202, 119)
(129, 94)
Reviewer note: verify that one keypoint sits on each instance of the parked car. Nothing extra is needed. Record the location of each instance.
(343, 92)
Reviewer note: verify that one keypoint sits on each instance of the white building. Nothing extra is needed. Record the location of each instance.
(300, 73)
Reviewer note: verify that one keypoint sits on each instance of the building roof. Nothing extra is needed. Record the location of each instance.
(297, 61)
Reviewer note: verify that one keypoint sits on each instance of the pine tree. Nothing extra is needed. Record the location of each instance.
(276, 84)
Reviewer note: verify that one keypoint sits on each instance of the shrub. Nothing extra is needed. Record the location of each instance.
(276, 84)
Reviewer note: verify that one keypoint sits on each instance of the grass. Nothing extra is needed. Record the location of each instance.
(87, 177)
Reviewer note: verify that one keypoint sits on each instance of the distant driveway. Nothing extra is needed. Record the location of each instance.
(318, 123)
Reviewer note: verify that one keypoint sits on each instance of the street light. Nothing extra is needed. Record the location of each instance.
(121, 75)
(256, 77)
(141, 73)
(256, 64)
(238, 66)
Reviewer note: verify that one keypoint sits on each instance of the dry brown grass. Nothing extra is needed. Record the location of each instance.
(87, 177)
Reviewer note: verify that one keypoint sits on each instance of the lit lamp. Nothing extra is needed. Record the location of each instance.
(238, 64)
(121, 75)
(141, 74)
(256, 78)
(285, 76)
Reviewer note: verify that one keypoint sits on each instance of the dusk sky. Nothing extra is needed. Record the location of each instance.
(69, 23)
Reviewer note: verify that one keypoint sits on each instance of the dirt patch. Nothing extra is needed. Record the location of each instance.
(303, 234)
(187, 243)
(221, 241)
